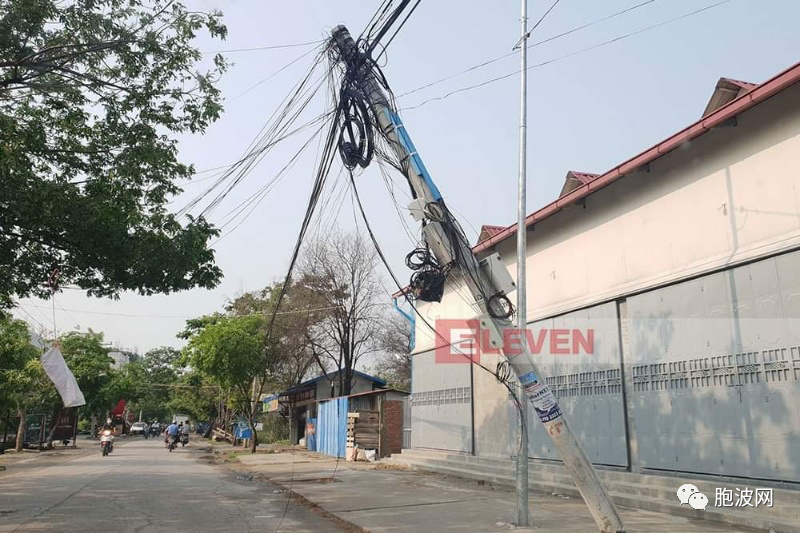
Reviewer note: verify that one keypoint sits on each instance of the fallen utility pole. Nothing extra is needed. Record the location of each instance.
(488, 280)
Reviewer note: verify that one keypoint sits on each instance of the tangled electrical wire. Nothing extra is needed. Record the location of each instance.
(356, 137)
(364, 93)
(428, 279)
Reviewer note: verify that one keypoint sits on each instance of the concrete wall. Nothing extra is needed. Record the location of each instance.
(728, 197)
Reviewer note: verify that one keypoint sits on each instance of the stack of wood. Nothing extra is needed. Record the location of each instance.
(218, 434)
(368, 430)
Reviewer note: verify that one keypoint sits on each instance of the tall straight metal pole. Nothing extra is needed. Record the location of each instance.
(522, 512)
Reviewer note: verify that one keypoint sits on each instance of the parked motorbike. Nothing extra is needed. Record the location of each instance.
(106, 442)
(184, 439)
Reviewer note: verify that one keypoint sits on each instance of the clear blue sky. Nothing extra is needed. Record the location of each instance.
(588, 112)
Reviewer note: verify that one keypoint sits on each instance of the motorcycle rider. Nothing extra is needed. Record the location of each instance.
(107, 432)
(171, 431)
(185, 433)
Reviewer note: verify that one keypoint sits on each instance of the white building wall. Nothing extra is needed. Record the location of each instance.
(730, 196)
(359, 385)
(120, 359)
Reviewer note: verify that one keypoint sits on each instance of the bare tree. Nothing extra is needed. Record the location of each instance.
(297, 313)
(338, 271)
(394, 362)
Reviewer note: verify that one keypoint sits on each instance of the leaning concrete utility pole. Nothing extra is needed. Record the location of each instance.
(488, 279)
(522, 514)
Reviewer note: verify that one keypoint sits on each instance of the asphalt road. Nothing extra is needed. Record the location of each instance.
(141, 487)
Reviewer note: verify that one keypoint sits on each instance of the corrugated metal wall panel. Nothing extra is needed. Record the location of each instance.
(332, 427)
(441, 412)
(716, 372)
(588, 386)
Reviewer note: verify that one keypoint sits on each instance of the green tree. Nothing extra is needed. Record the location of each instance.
(90, 363)
(300, 310)
(16, 351)
(22, 378)
(92, 97)
(129, 383)
(236, 354)
(195, 395)
(162, 370)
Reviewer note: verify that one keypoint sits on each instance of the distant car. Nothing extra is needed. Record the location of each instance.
(138, 428)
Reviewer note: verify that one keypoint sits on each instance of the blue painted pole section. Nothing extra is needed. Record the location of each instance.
(412, 319)
(416, 160)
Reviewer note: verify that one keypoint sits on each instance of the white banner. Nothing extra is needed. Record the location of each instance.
(61, 376)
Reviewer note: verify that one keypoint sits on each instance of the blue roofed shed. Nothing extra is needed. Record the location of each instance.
(300, 402)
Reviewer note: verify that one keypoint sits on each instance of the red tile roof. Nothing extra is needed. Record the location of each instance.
(746, 85)
(492, 229)
(488, 231)
(575, 179)
(583, 177)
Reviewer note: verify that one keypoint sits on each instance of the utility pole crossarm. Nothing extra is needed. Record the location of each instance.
(488, 280)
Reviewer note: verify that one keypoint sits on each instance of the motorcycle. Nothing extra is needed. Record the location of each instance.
(184, 439)
(172, 442)
(106, 442)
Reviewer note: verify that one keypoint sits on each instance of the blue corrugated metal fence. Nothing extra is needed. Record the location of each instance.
(332, 427)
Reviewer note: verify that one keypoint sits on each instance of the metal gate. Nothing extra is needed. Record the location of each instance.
(441, 413)
(715, 366)
(579, 353)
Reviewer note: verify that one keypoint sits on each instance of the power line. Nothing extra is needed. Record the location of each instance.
(566, 56)
(21, 310)
(271, 47)
(272, 133)
(65, 311)
(176, 317)
(284, 67)
(531, 45)
(255, 200)
(408, 16)
(589, 24)
(538, 22)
